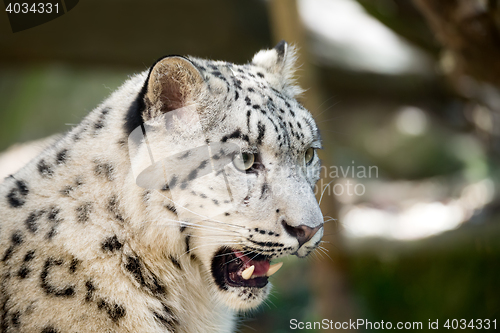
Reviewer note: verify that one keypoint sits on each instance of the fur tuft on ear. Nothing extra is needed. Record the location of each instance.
(173, 82)
(281, 60)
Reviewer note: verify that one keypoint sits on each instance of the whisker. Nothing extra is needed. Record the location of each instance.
(194, 225)
(204, 217)
(324, 189)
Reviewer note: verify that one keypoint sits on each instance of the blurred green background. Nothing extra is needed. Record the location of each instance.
(409, 88)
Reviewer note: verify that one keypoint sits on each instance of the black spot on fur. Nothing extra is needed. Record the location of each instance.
(133, 265)
(234, 135)
(90, 290)
(31, 221)
(143, 276)
(122, 143)
(49, 329)
(175, 262)
(83, 212)
(186, 240)
(172, 182)
(49, 289)
(4, 324)
(8, 253)
(100, 123)
(62, 157)
(44, 169)
(114, 209)
(30, 255)
(104, 170)
(264, 189)
(114, 311)
(15, 319)
(16, 240)
(54, 214)
(261, 129)
(171, 208)
(67, 190)
(192, 175)
(167, 318)
(155, 286)
(185, 155)
(17, 195)
(79, 132)
(249, 113)
(52, 232)
(73, 265)
(23, 272)
(111, 244)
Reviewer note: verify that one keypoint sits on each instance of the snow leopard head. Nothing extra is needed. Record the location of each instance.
(231, 154)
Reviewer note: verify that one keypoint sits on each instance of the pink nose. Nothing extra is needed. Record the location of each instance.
(303, 233)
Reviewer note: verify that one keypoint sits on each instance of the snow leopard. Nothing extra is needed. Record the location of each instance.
(164, 208)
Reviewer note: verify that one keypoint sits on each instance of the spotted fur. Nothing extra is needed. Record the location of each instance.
(85, 247)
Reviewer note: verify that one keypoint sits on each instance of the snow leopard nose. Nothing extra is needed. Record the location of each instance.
(303, 233)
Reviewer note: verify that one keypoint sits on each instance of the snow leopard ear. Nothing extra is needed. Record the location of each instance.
(173, 82)
(281, 61)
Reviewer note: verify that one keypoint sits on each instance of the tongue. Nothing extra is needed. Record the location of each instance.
(261, 266)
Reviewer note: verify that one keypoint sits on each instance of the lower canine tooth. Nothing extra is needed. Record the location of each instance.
(274, 268)
(247, 273)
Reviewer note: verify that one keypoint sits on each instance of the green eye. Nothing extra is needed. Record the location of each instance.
(244, 161)
(309, 155)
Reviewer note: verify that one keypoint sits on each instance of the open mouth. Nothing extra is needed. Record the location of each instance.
(233, 268)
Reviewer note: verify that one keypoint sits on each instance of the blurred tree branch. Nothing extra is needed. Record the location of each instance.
(469, 30)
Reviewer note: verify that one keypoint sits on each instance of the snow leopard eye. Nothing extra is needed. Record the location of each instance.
(244, 161)
(309, 155)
